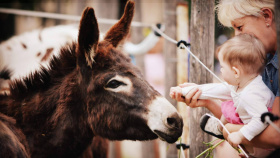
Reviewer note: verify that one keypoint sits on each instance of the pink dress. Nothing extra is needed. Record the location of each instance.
(231, 116)
(229, 113)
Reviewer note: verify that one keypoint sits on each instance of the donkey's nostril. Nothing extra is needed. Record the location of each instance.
(171, 121)
(174, 121)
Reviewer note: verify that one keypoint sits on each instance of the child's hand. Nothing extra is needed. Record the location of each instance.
(235, 138)
(176, 93)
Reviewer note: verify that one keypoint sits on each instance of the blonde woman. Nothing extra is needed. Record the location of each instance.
(254, 17)
(242, 61)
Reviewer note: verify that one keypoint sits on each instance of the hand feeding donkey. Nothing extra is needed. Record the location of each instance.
(90, 89)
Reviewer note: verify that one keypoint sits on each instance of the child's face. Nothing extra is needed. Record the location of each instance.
(228, 74)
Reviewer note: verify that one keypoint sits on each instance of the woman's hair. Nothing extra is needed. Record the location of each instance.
(229, 10)
(246, 51)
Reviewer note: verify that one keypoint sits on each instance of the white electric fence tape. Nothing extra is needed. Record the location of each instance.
(63, 16)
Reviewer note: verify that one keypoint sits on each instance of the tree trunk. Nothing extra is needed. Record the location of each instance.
(182, 65)
(202, 45)
(170, 58)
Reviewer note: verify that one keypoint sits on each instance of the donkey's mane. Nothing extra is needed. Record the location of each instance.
(44, 78)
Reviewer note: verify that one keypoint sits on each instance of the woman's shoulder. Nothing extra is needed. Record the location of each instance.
(272, 59)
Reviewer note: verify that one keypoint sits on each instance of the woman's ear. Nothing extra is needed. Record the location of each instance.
(268, 16)
(236, 72)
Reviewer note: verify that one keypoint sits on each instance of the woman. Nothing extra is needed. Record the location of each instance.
(253, 17)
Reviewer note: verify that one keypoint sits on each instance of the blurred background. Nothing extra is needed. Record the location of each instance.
(154, 63)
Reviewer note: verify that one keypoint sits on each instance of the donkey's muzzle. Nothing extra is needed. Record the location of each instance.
(174, 124)
(164, 120)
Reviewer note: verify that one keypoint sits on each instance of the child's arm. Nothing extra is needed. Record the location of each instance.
(254, 105)
(250, 104)
(269, 138)
(209, 91)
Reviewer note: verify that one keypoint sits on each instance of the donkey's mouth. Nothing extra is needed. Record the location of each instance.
(166, 137)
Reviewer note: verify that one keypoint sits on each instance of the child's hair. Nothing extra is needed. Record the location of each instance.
(229, 10)
(246, 51)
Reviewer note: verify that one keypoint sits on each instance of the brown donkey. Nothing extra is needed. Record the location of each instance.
(91, 89)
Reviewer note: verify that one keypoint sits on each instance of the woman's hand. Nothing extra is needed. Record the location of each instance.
(191, 98)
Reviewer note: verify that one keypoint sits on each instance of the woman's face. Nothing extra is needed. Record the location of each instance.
(257, 27)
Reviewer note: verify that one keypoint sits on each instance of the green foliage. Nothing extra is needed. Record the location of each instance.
(209, 150)
(211, 147)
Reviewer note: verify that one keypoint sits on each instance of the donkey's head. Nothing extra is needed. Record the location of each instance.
(120, 103)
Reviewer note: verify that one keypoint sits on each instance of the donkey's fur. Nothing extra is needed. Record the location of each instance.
(90, 89)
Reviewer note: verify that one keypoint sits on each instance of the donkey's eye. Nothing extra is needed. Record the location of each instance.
(114, 84)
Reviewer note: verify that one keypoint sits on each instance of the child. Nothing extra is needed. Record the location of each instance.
(242, 59)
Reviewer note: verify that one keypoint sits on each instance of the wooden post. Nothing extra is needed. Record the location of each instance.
(170, 58)
(202, 45)
(182, 12)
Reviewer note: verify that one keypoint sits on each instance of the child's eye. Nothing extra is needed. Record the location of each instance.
(239, 28)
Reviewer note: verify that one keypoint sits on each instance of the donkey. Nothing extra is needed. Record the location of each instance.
(91, 89)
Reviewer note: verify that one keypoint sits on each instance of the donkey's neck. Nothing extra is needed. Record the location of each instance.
(41, 92)
(54, 119)
(49, 108)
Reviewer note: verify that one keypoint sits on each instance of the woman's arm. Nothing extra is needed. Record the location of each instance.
(269, 138)
(214, 106)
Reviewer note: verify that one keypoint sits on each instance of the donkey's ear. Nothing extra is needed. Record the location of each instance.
(120, 30)
(88, 37)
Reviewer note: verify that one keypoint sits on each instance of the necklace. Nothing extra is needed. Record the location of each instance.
(245, 84)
